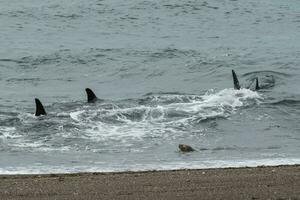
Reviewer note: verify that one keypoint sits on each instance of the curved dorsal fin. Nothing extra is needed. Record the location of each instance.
(39, 108)
(235, 81)
(256, 84)
(91, 97)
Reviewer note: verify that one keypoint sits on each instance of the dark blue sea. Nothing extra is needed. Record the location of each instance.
(162, 73)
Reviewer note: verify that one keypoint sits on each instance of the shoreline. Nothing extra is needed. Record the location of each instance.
(142, 171)
(262, 182)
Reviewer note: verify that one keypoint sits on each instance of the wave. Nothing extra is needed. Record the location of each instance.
(266, 72)
(286, 102)
(267, 78)
(203, 164)
(73, 126)
(162, 114)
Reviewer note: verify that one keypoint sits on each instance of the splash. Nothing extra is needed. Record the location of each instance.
(103, 125)
(161, 115)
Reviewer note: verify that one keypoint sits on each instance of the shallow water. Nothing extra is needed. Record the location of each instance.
(162, 72)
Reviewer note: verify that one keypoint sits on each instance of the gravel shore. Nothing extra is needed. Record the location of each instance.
(278, 182)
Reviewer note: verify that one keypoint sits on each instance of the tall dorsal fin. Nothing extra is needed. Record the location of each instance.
(256, 84)
(235, 81)
(91, 97)
(39, 108)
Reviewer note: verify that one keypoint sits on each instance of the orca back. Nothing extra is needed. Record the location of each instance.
(235, 81)
(91, 97)
(256, 84)
(39, 108)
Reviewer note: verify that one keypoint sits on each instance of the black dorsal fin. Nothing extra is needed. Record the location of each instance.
(256, 84)
(91, 97)
(235, 81)
(39, 108)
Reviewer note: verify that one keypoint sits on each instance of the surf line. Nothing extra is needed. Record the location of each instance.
(92, 98)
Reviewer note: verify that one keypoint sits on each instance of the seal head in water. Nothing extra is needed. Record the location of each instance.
(185, 148)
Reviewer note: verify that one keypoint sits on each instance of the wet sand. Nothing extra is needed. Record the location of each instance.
(281, 182)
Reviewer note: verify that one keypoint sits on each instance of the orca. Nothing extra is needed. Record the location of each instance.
(256, 84)
(39, 108)
(236, 83)
(91, 97)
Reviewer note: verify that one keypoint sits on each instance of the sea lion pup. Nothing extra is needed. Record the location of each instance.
(91, 97)
(39, 108)
(185, 148)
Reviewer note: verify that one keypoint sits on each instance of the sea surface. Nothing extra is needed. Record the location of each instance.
(162, 73)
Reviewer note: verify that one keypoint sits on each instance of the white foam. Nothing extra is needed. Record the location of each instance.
(159, 120)
(8, 132)
(99, 167)
(230, 97)
(75, 115)
(153, 119)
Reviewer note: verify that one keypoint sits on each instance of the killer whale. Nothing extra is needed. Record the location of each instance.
(39, 108)
(91, 97)
(256, 84)
(236, 83)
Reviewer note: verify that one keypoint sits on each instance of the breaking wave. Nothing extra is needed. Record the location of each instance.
(81, 127)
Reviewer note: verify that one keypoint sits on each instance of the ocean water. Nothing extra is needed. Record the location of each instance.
(162, 72)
